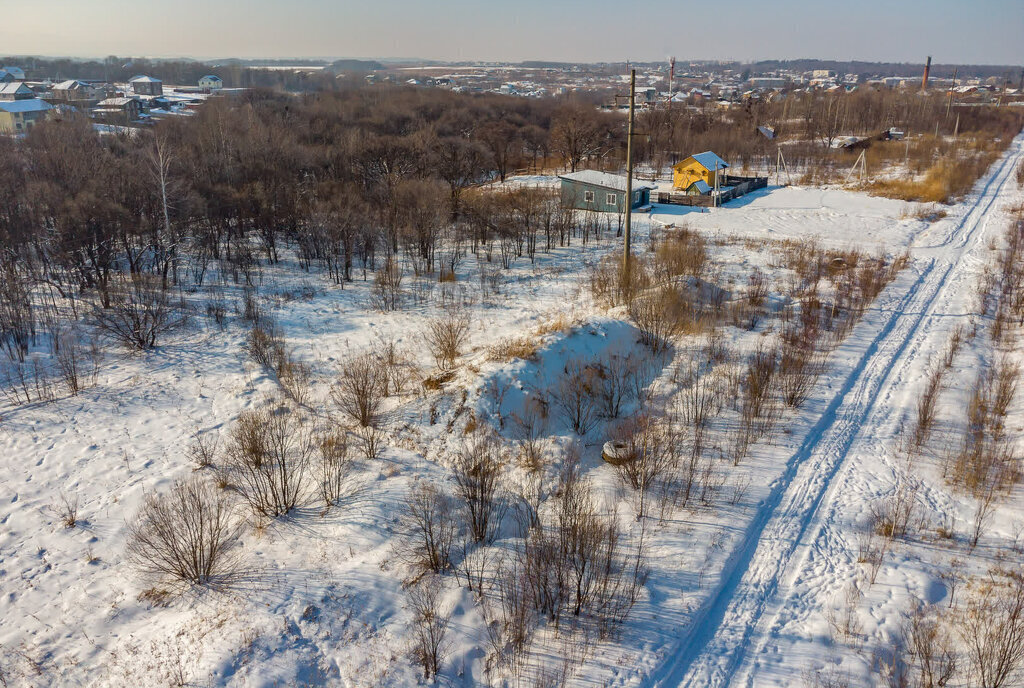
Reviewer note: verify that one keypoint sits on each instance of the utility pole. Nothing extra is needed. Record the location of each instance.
(949, 103)
(629, 175)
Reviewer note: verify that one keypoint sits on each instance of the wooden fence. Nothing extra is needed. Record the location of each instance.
(733, 187)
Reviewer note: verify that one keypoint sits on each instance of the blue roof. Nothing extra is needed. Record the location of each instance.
(708, 160)
(702, 186)
(30, 105)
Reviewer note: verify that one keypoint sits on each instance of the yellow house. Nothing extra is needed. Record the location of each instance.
(701, 167)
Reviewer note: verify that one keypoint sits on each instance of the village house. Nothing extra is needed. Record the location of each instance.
(702, 167)
(601, 191)
(146, 86)
(73, 90)
(16, 90)
(12, 73)
(210, 83)
(120, 110)
(19, 116)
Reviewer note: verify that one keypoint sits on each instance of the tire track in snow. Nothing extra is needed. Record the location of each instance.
(724, 627)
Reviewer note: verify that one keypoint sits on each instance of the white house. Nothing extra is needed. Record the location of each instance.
(211, 82)
(146, 86)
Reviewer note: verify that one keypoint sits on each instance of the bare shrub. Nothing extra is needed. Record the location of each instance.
(446, 335)
(757, 383)
(185, 535)
(334, 467)
(398, 368)
(799, 368)
(598, 577)
(613, 286)
(69, 355)
(576, 394)
(845, 623)
(68, 510)
(991, 626)
(360, 390)
(618, 382)
(268, 457)
(682, 252)
(652, 457)
(371, 441)
(203, 450)
(428, 518)
(530, 425)
(265, 345)
(387, 291)
(892, 515)
(430, 626)
(926, 405)
(698, 403)
(661, 316)
(929, 646)
(477, 476)
(1006, 373)
(956, 339)
(139, 313)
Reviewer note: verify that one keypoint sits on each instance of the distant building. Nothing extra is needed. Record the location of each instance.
(15, 73)
(767, 82)
(211, 83)
(146, 86)
(601, 191)
(19, 116)
(123, 109)
(73, 89)
(15, 90)
(700, 167)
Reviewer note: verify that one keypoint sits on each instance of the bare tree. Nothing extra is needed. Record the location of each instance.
(186, 535)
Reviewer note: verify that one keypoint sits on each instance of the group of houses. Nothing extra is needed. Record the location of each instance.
(24, 103)
(699, 179)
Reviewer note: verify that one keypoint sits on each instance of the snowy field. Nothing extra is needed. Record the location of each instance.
(742, 582)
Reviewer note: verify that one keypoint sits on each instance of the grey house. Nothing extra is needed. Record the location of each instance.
(601, 191)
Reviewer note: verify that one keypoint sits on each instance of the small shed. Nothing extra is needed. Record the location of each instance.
(698, 188)
(146, 86)
(699, 167)
(601, 191)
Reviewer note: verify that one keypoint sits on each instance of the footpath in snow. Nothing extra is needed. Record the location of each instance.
(740, 617)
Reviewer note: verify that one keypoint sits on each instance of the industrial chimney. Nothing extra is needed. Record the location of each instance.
(924, 79)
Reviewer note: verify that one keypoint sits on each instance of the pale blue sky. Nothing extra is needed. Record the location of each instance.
(982, 31)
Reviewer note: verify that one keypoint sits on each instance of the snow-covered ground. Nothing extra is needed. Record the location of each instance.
(738, 591)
